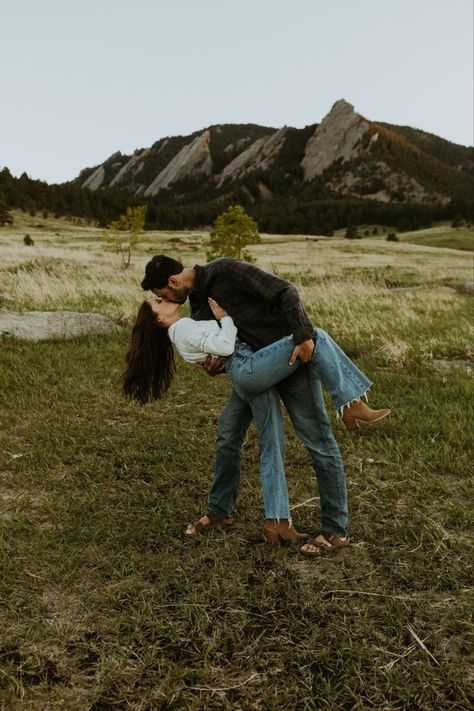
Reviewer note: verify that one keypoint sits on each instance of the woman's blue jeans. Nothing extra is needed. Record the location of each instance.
(253, 374)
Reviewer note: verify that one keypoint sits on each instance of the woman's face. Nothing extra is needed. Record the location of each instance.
(165, 311)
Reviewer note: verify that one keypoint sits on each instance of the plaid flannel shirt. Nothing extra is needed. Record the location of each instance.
(264, 307)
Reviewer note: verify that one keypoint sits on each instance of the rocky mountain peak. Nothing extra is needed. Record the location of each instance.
(338, 136)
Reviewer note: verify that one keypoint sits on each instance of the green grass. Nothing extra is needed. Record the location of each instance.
(107, 605)
(442, 236)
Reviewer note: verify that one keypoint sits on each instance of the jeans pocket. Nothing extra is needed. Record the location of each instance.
(240, 369)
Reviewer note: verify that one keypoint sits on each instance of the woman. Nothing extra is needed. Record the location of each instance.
(150, 364)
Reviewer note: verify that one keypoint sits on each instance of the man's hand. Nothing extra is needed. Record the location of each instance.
(304, 351)
(213, 365)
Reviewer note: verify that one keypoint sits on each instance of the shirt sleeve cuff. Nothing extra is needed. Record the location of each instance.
(301, 336)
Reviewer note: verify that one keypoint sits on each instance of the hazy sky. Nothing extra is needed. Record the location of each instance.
(80, 80)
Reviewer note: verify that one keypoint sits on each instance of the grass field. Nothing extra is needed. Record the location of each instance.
(441, 235)
(107, 606)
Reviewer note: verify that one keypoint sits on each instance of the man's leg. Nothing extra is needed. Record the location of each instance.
(232, 426)
(303, 398)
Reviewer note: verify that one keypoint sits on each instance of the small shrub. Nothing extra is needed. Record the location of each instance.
(351, 232)
(29, 241)
(392, 237)
(233, 230)
(458, 220)
(128, 227)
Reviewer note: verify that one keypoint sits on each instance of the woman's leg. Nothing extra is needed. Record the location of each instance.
(232, 426)
(339, 375)
(268, 418)
(251, 372)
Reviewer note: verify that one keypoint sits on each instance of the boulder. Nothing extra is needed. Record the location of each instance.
(41, 325)
(454, 364)
(467, 288)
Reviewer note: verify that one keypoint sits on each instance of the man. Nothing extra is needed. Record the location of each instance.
(265, 308)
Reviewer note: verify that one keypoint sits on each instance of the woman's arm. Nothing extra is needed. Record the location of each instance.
(194, 340)
(221, 342)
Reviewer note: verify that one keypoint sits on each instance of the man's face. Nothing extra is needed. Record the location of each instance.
(173, 292)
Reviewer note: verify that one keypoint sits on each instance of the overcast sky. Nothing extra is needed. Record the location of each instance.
(82, 79)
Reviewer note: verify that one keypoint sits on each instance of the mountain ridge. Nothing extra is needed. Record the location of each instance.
(346, 169)
(344, 156)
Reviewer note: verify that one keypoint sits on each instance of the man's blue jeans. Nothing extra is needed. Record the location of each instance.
(300, 389)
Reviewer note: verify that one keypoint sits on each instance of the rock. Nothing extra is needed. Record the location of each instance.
(95, 180)
(131, 167)
(339, 135)
(193, 159)
(265, 193)
(258, 156)
(467, 288)
(451, 364)
(41, 325)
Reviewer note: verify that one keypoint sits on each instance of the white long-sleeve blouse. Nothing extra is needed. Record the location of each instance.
(195, 339)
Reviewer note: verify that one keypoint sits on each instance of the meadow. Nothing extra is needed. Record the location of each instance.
(107, 606)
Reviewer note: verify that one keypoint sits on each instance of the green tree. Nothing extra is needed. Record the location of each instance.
(351, 232)
(233, 231)
(125, 232)
(457, 220)
(5, 214)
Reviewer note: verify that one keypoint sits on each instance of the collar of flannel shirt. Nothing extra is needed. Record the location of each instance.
(200, 280)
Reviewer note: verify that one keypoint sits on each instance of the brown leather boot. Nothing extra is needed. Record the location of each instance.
(278, 531)
(358, 412)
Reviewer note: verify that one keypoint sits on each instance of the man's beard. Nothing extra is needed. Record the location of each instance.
(179, 295)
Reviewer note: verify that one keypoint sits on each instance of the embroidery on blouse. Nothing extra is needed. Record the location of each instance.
(198, 341)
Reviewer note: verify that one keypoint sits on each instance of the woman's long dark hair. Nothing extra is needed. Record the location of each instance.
(149, 363)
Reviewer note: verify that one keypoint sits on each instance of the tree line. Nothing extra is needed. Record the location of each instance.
(304, 209)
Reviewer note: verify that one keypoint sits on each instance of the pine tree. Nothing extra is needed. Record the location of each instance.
(351, 232)
(457, 220)
(5, 215)
(233, 231)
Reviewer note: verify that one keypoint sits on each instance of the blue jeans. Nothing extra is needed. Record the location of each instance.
(300, 389)
(252, 371)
